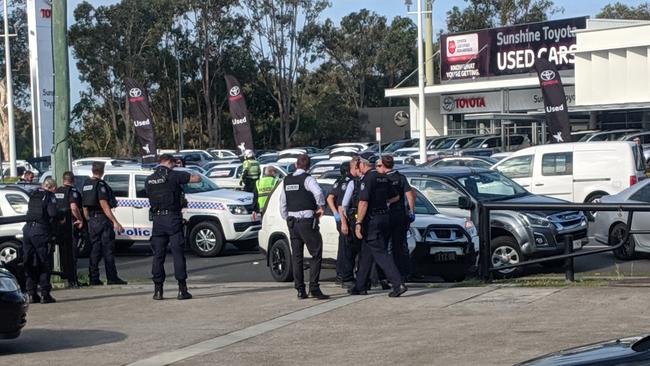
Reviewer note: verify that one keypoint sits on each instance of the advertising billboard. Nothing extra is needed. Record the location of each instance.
(39, 22)
(508, 50)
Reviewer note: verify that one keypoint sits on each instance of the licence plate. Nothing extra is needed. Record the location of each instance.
(444, 256)
(577, 244)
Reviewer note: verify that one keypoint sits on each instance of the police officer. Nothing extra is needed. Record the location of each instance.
(334, 200)
(372, 227)
(348, 212)
(41, 213)
(400, 217)
(98, 200)
(165, 192)
(301, 204)
(266, 185)
(70, 221)
(250, 171)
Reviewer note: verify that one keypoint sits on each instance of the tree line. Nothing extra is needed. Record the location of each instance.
(305, 78)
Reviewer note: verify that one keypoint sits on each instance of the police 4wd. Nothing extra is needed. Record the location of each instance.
(213, 216)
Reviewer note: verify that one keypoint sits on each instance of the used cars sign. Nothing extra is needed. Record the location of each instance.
(509, 50)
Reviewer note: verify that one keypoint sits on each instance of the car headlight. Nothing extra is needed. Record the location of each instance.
(536, 220)
(238, 210)
(8, 285)
(471, 228)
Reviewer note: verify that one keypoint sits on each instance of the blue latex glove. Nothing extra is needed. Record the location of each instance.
(411, 216)
(337, 217)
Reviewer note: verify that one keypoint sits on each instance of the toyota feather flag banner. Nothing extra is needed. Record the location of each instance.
(141, 117)
(239, 114)
(555, 106)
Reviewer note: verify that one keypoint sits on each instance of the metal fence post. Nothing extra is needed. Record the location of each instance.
(569, 272)
(484, 237)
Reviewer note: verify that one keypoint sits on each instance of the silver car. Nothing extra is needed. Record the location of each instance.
(610, 227)
(13, 202)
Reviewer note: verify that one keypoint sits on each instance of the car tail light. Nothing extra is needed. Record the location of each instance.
(632, 180)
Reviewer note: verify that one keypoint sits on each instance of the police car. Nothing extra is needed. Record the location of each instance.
(214, 216)
(438, 245)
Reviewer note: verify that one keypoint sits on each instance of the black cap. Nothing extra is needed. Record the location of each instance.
(166, 157)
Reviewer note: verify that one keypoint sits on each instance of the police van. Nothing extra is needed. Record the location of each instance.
(213, 215)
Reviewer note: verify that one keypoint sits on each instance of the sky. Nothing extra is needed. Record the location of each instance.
(388, 8)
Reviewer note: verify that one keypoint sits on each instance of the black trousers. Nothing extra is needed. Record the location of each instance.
(67, 237)
(399, 226)
(102, 238)
(375, 248)
(304, 234)
(37, 257)
(250, 185)
(168, 231)
(348, 250)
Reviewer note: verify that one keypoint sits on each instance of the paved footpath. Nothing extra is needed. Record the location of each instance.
(264, 324)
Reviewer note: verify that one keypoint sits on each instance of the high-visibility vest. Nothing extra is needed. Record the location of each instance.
(264, 188)
(251, 169)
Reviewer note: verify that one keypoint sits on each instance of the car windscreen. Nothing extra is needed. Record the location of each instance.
(436, 144)
(205, 185)
(477, 142)
(445, 144)
(395, 145)
(491, 186)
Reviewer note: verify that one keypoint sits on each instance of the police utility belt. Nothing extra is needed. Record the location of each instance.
(160, 212)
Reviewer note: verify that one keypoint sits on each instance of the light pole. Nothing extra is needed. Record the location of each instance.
(10, 98)
(180, 99)
(421, 79)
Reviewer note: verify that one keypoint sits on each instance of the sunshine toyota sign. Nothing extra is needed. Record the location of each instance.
(508, 50)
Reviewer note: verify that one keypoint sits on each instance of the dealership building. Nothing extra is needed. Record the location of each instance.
(487, 85)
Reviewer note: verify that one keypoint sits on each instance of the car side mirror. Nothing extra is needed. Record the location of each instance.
(465, 203)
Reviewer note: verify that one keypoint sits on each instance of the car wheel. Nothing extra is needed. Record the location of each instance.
(206, 240)
(123, 245)
(505, 250)
(627, 251)
(247, 245)
(280, 261)
(594, 198)
(10, 251)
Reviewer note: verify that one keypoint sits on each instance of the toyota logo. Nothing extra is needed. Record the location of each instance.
(547, 75)
(135, 92)
(448, 104)
(234, 91)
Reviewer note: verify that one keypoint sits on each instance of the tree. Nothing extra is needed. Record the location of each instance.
(480, 14)
(622, 11)
(285, 32)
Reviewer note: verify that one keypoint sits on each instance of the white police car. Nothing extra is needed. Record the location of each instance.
(439, 245)
(214, 216)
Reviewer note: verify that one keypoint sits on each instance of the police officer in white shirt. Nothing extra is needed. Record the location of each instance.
(301, 204)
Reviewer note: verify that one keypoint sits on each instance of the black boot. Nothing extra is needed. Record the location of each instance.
(398, 291)
(158, 291)
(182, 291)
(46, 298)
(33, 297)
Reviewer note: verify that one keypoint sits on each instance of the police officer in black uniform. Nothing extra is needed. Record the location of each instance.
(372, 227)
(165, 192)
(400, 217)
(301, 204)
(37, 254)
(70, 221)
(334, 200)
(98, 200)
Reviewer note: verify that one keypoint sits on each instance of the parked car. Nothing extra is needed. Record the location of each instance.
(343, 153)
(515, 236)
(195, 157)
(13, 306)
(107, 161)
(222, 153)
(576, 172)
(214, 216)
(228, 176)
(502, 155)
(325, 166)
(360, 146)
(645, 142)
(577, 136)
(611, 227)
(399, 144)
(438, 244)
(219, 162)
(197, 169)
(432, 143)
(13, 202)
(612, 135)
(488, 145)
(268, 158)
(631, 351)
(468, 161)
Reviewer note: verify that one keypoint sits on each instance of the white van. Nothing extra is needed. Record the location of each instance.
(577, 172)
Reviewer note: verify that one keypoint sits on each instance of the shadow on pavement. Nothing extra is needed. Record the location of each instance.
(98, 297)
(45, 340)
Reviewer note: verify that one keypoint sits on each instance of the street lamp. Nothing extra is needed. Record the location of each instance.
(421, 77)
